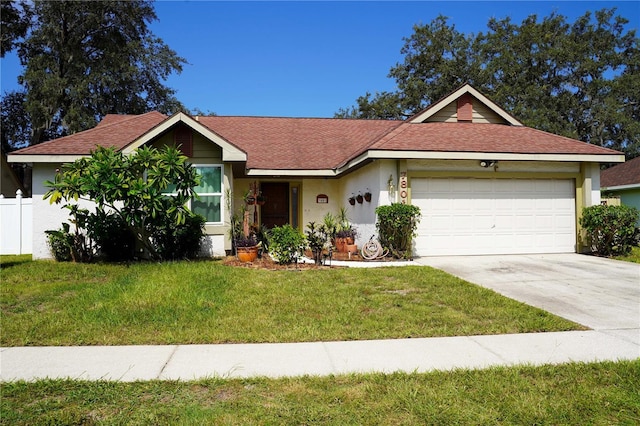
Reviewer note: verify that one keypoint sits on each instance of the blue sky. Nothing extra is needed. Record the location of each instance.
(308, 59)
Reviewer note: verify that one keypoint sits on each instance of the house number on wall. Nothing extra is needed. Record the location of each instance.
(322, 199)
(403, 187)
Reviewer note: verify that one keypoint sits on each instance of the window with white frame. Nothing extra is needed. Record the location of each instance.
(210, 192)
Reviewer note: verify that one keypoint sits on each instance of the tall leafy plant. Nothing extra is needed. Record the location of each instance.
(134, 188)
(396, 227)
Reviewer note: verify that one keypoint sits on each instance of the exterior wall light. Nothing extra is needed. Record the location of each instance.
(488, 163)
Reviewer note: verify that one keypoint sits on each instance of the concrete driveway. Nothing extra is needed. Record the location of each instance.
(599, 293)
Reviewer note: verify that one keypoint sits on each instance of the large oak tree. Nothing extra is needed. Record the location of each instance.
(83, 60)
(577, 79)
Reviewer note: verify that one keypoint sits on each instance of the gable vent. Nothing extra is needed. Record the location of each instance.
(465, 108)
(182, 138)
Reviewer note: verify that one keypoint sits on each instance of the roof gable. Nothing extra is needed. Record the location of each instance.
(230, 152)
(455, 108)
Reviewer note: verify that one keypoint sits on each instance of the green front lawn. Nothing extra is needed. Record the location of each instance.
(572, 394)
(48, 303)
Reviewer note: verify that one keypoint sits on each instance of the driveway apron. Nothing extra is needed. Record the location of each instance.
(602, 294)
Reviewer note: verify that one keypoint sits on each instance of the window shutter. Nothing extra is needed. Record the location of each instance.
(182, 137)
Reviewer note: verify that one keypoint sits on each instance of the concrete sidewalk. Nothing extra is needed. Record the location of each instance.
(189, 362)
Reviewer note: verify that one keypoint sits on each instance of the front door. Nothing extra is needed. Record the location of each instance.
(275, 212)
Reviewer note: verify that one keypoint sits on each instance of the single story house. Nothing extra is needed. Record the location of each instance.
(623, 180)
(485, 183)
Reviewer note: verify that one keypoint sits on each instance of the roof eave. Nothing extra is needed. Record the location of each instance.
(621, 187)
(44, 158)
(503, 156)
(291, 172)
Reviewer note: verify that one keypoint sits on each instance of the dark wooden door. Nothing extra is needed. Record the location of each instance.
(275, 212)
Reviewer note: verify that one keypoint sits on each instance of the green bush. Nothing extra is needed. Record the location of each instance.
(178, 241)
(113, 239)
(318, 238)
(611, 230)
(286, 243)
(60, 242)
(396, 227)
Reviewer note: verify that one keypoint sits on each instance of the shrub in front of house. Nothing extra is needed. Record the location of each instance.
(318, 239)
(396, 227)
(60, 242)
(286, 244)
(175, 241)
(148, 190)
(611, 230)
(114, 241)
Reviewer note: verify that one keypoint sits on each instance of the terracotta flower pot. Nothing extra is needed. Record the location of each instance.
(359, 199)
(247, 254)
(352, 248)
(352, 201)
(342, 243)
(367, 197)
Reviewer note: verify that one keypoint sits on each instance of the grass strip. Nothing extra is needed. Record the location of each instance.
(597, 393)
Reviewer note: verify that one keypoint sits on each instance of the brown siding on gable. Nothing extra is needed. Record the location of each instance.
(183, 139)
(465, 108)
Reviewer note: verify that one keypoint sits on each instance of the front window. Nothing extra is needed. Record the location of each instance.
(210, 192)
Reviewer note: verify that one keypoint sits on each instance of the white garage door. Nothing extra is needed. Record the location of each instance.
(494, 216)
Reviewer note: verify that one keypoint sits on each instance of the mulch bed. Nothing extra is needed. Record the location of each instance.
(265, 262)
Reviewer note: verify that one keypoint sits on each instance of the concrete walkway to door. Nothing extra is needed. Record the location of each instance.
(602, 294)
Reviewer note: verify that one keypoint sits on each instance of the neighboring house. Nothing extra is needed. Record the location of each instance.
(485, 183)
(623, 181)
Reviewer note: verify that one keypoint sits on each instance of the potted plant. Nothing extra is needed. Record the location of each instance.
(359, 198)
(352, 200)
(367, 196)
(246, 248)
(344, 237)
(261, 199)
(345, 233)
(244, 241)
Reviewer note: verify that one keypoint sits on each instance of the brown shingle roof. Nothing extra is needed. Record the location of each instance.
(623, 174)
(298, 143)
(114, 130)
(480, 137)
(325, 143)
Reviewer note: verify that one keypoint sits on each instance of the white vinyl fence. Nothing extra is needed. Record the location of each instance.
(16, 225)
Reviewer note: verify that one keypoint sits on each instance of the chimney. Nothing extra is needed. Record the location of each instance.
(465, 108)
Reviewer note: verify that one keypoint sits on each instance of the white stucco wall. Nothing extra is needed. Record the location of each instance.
(313, 211)
(46, 216)
(373, 177)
